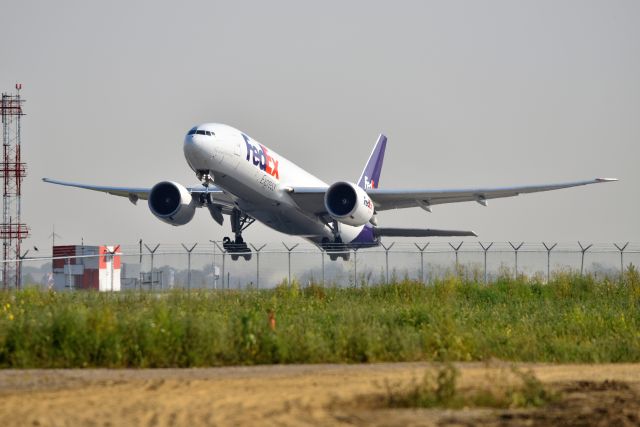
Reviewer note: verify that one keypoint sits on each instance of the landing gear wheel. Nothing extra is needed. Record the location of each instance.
(238, 248)
(336, 249)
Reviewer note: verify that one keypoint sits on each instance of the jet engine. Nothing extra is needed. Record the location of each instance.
(348, 203)
(172, 203)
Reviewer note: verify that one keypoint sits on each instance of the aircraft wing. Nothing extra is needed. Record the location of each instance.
(134, 194)
(396, 199)
(312, 199)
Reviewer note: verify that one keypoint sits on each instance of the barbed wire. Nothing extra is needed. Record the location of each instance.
(209, 248)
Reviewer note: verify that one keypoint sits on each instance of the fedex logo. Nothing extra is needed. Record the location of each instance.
(369, 183)
(367, 203)
(260, 157)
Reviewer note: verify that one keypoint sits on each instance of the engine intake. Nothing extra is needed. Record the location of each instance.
(348, 203)
(172, 203)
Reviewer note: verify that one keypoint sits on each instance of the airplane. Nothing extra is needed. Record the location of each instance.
(247, 181)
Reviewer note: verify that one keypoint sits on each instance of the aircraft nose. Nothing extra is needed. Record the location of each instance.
(194, 147)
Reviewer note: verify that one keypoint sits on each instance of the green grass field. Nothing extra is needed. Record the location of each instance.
(571, 319)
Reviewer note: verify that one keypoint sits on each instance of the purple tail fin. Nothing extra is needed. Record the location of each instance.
(370, 177)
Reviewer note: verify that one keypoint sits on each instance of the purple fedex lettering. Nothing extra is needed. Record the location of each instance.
(249, 147)
(259, 156)
(256, 156)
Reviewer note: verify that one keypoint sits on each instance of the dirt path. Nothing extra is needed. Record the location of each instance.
(299, 395)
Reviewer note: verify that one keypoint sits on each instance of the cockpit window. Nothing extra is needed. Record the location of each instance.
(195, 131)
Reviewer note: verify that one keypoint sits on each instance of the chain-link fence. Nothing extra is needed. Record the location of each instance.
(206, 265)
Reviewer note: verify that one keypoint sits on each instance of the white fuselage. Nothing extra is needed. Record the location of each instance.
(256, 178)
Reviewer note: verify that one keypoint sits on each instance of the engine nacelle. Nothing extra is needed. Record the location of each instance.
(348, 203)
(172, 203)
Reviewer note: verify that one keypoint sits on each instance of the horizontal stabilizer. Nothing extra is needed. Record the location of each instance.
(421, 232)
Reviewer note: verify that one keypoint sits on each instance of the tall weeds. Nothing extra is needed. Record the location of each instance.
(570, 319)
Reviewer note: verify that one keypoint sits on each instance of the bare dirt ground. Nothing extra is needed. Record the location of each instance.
(303, 395)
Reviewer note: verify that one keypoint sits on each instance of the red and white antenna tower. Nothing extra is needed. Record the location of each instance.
(13, 170)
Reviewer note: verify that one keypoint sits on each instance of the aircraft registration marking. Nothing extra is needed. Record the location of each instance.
(267, 183)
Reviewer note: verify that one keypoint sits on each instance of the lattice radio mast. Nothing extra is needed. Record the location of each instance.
(13, 170)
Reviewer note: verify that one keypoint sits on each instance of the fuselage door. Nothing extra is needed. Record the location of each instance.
(237, 144)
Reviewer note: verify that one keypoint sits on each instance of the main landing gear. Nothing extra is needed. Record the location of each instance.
(238, 248)
(336, 249)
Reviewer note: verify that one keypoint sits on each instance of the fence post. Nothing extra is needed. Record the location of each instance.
(516, 248)
(549, 249)
(258, 263)
(69, 276)
(421, 249)
(485, 249)
(456, 249)
(289, 249)
(621, 249)
(386, 254)
(583, 249)
(224, 256)
(189, 264)
(20, 258)
(213, 267)
(152, 252)
(322, 255)
(355, 267)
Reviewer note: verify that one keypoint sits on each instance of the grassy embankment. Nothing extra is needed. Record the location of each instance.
(571, 319)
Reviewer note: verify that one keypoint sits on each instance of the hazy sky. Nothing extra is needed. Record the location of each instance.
(470, 93)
